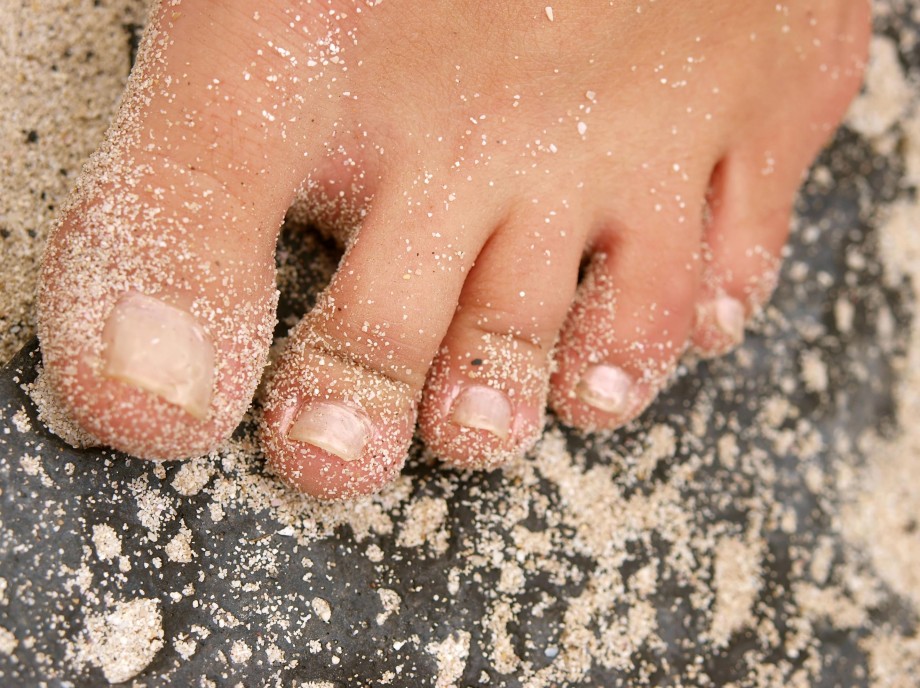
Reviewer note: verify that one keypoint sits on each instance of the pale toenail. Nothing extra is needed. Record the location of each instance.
(729, 316)
(161, 349)
(483, 408)
(334, 427)
(606, 387)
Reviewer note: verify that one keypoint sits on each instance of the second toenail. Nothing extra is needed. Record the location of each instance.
(729, 316)
(161, 349)
(606, 387)
(334, 427)
(483, 408)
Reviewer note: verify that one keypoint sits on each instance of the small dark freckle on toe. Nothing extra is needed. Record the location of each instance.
(476, 362)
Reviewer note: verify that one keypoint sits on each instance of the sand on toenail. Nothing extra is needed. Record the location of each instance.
(620, 393)
(482, 408)
(719, 325)
(339, 430)
(160, 349)
(607, 388)
(500, 363)
(730, 317)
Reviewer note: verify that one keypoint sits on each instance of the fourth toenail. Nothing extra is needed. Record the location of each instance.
(606, 387)
(334, 427)
(483, 408)
(161, 349)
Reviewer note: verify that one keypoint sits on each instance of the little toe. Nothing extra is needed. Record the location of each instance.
(486, 394)
(342, 404)
(629, 325)
(752, 189)
(742, 247)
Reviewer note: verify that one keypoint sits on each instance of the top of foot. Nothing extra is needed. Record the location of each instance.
(474, 157)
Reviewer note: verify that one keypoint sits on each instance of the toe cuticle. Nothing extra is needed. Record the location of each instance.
(607, 388)
(161, 349)
(482, 408)
(333, 427)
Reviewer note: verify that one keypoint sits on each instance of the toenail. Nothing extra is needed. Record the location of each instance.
(729, 316)
(334, 427)
(605, 387)
(161, 349)
(483, 408)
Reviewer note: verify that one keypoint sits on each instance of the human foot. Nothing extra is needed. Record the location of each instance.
(484, 149)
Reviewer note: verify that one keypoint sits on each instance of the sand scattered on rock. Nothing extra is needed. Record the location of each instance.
(122, 642)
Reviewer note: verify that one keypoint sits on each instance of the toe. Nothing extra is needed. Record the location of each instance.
(157, 295)
(747, 229)
(342, 404)
(752, 189)
(486, 394)
(627, 328)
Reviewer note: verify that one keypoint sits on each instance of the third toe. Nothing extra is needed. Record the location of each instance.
(486, 395)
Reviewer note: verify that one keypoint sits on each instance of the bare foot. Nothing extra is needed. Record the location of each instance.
(475, 153)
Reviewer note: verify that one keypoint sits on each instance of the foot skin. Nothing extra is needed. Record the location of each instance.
(472, 154)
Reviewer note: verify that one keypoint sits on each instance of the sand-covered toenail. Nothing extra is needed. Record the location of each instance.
(729, 317)
(483, 408)
(607, 388)
(160, 349)
(334, 427)
(719, 325)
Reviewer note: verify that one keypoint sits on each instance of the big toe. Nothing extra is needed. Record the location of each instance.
(157, 291)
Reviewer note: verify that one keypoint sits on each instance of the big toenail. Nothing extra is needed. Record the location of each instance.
(729, 315)
(338, 429)
(483, 408)
(161, 349)
(605, 387)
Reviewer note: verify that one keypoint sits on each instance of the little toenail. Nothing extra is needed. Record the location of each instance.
(333, 427)
(483, 408)
(161, 349)
(605, 387)
(729, 314)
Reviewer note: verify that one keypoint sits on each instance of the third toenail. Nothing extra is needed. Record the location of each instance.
(161, 349)
(605, 387)
(334, 427)
(483, 408)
